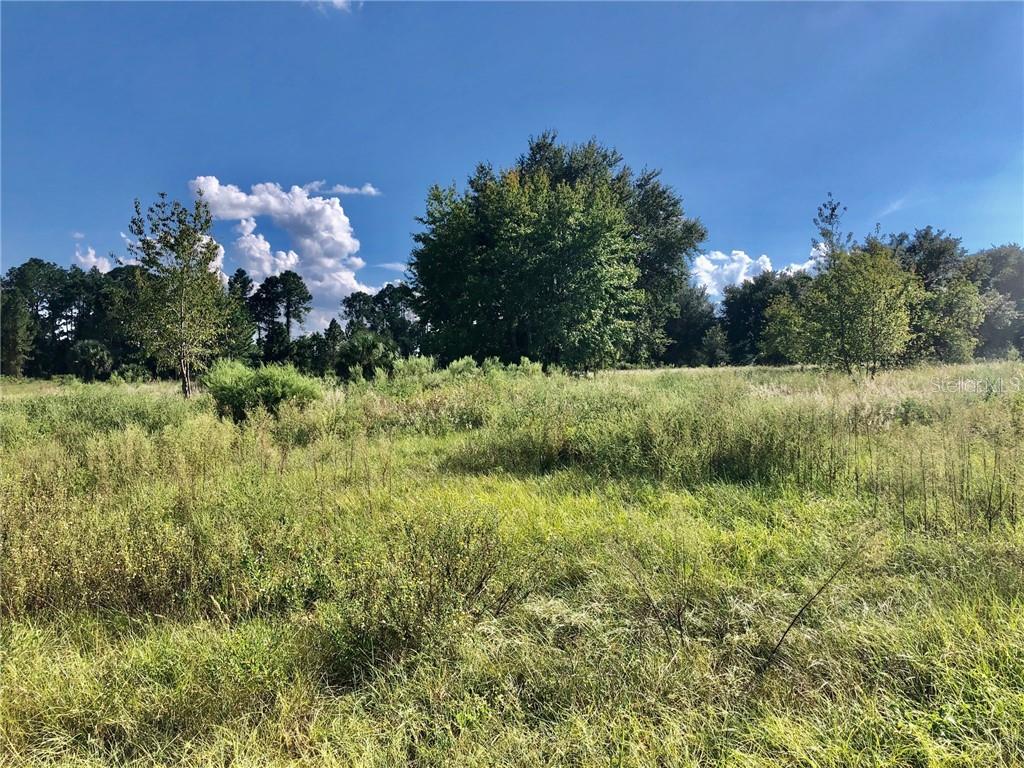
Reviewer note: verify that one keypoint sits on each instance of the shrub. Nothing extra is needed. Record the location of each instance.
(133, 373)
(91, 360)
(462, 368)
(237, 389)
(415, 367)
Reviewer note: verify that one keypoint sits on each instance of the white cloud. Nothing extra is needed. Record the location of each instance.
(394, 266)
(342, 189)
(217, 265)
(89, 259)
(318, 319)
(78, 235)
(366, 189)
(716, 270)
(256, 253)
(324, 245)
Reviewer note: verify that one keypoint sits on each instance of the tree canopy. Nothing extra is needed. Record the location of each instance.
(565, 258)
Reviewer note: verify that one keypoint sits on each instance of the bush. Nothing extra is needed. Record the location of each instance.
(90, 360)
(237, 389)
(133, 373)
(462, 368)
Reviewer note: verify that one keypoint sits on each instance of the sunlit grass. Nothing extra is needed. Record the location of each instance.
(510, 569)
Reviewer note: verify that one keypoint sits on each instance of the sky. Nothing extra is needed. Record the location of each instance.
(315, 129)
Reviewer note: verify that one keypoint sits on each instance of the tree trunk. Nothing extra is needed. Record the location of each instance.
(186, 378)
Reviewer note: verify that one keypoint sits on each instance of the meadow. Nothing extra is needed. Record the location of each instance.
(496, 567)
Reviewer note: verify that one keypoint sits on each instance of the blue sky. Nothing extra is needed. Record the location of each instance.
(911, 114)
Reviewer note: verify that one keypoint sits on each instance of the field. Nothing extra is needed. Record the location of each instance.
(745, 567)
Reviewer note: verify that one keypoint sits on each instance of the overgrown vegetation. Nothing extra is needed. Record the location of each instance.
(486, 565)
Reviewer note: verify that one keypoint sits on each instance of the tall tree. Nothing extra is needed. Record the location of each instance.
(265, 307)
(999, 275)
(856, 313)
(181, 309)
(42, 286)
(240, 328)
(518, 266)
(664, 240)
(296, 300)
(694, 317)
(15, 332)
(567, 257)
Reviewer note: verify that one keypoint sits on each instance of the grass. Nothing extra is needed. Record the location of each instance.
(504, 568)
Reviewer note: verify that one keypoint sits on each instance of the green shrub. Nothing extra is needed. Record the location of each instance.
(237, 389)
(133, 373)
(91, 360)
(462, 368)
(415, 367)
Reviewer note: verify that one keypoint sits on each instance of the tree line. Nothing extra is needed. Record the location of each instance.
(568, 257)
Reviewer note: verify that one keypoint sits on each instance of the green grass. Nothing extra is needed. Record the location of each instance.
(504, 568)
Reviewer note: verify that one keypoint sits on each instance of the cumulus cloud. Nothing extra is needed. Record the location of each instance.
(258, 259)
(217, 265)
(318, 319)
(716, 270)
(323, 243)
(89, 259)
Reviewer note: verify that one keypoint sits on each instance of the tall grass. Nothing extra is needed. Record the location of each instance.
(495, 567)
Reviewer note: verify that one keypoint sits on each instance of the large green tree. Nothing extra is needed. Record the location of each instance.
(296, 300)
(16, 332)
(855, 314)
(181, 307)
(694, 316)
(999, 275)
(567, 258)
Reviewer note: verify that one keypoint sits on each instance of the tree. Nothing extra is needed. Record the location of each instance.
(240, 286)
(181, 308)
(999, 275)
(856, 313)
(389, 312)
(42, 286)
(785, 334)
(934, 256)
(744, 314)
(944, 322)
(714, 347)
(831, 240)
(564, 258)
(15, 332)
(265, 307)
(363, 353)
(296, 300)
(90, 360)
(694, 317)
(664, 239)
(240, 328)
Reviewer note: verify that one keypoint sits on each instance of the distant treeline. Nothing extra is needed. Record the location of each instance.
(568, 258)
